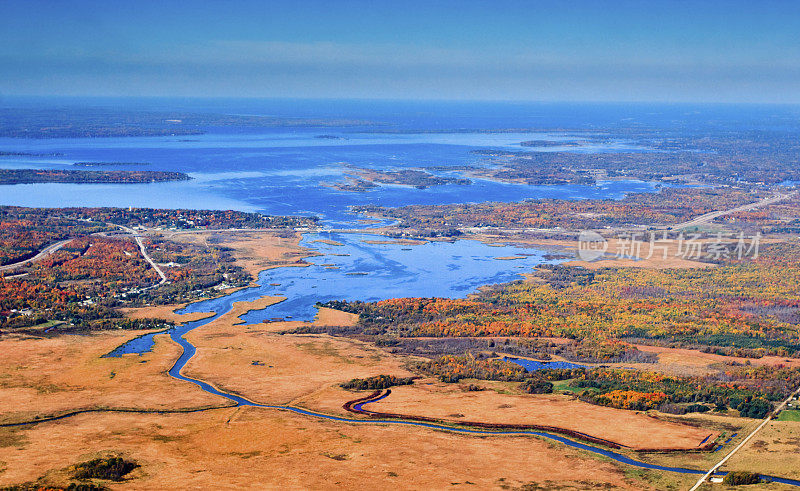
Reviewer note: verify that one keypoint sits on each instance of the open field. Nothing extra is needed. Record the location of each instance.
(251, 447)
(774, 450)
(239, 447)
(450, 402)
(265, 366)
(569, 248)
(254, 251)
(789, 415)
(42, 377)
(681, 361)
(166, 312)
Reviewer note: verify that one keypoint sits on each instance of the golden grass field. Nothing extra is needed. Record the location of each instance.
(775, 450)
(253, 447)
(255, 251)
(245, 447)
(43, 377)
(166, 312)
(269, 449)
(262, 448)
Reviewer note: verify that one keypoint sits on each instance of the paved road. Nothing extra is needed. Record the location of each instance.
(709, 217)
(44, 253)
(146, 256)
(744, 442)
(58, 245)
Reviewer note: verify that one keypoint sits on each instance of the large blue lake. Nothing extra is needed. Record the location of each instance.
(289, 171)
(283, 172)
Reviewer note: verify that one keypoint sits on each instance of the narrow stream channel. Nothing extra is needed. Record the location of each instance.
(223, 305)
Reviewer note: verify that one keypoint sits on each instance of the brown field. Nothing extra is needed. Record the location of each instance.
(42, 377)
(657, 261)
(775, 450)
(287, 367)
(253, 251)
(332, 317)
(682, 361)
(166, 312)
(328, 241)
(270, 449)
(569, 247)
(238, 309)
(450, 402)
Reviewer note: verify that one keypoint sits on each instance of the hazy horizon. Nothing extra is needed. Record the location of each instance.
(512, 51)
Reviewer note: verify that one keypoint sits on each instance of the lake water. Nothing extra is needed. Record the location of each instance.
(289, 171)
(357, 270)
(533, 365)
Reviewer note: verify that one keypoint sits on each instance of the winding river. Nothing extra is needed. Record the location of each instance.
(189, 351)
(223, 305)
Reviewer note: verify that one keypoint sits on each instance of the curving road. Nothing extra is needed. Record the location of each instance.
(43, 254)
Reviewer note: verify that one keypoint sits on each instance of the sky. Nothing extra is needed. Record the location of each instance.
(566, 50)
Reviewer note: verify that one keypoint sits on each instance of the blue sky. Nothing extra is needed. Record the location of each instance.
(569, 50)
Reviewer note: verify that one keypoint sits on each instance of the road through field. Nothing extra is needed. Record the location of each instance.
(709, 217)
(766, 421)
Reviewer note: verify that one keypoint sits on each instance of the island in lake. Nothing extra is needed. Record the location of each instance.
(108, 164)
(360, 179)
(31, 176)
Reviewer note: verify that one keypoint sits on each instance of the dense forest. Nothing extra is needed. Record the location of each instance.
(30, 176)
(752, 305)
(98, 269)
(669, 206)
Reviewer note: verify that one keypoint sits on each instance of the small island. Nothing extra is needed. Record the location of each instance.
(109, 164)
(361, 179)
(550, 143)
(31, 176)
(4, 153)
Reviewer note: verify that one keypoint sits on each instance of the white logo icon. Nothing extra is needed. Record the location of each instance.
(591, 245)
